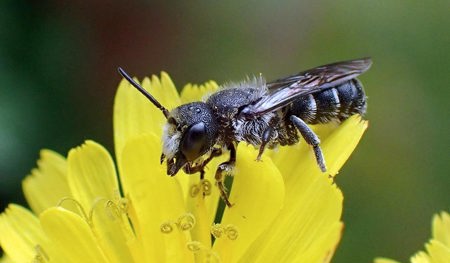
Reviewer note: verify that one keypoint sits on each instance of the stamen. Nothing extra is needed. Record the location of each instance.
(40, 256)
(194, 191)
(123, 204)
(113, 210)
(230, 231)
(117, 208)
(186, 222)
(217, 230)
(195, 246)
(206, 187)
(108, 208)
(77, 204)
(166, 227)
(183, 223)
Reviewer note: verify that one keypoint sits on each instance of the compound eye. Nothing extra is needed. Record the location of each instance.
(194, 140)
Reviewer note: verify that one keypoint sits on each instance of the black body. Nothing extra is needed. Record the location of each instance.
(332, 104)
(261, 114)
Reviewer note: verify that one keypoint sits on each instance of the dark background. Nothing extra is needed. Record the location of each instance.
(58, 63)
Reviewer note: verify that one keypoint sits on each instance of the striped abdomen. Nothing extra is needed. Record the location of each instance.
(336, 103)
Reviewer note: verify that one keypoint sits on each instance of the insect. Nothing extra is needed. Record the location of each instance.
(260, 113)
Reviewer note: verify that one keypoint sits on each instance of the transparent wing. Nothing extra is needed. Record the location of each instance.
(284, 91)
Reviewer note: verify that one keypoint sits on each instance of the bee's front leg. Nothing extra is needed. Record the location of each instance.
(201, 169)
(222, 170)
(266, 137)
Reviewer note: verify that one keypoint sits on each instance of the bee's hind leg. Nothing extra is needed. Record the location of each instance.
(310, 138)
(222, 169)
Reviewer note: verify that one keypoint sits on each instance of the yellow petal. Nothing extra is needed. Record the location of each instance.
(155, 88)
(303, 226)
(6, 259)
(340, 144)
(47, 184)
(166, 93)
(437, 250)
(212, 201)
(92, 179)
(135, 115)
(385, 260)
(194, 196)
(91, 174)
(203, 207)
(156, 202)
(201, 231)
(257, 194)
(71, 236)
(441, 228)
(112, 231)
(191, 92)
(313, 206)
(337, 143)
(20, 234)
(436, 253)
(324, 242)
(421, 257)
(132, 116)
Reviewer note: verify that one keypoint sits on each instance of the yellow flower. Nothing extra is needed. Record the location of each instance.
(438, 248)
(285, 209)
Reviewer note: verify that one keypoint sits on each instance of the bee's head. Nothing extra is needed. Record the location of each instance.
(190, 132)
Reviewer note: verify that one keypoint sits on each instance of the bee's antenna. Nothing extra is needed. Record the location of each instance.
(144, 92)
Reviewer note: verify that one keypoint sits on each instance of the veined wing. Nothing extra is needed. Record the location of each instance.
(284, 91)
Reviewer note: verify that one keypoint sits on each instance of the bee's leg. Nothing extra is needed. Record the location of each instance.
(267, 135)
(215, 153)
(201, 169)
(222, 169)
(310, 138)
(202, 173)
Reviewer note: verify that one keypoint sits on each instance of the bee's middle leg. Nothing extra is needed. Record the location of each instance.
(222, 169)
(310, 138)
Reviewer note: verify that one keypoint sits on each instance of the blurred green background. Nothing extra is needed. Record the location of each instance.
(58, 63)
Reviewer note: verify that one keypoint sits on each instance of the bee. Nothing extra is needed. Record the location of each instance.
(263, 114)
